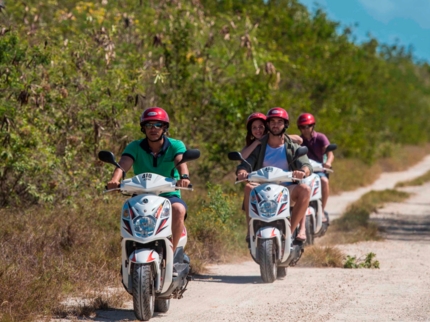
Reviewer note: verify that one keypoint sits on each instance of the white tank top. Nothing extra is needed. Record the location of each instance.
(276, 157)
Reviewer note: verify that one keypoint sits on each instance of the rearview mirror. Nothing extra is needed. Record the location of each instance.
(107, 157)
(330, 148)
(189, 155)
(303, 150)
(235, 156)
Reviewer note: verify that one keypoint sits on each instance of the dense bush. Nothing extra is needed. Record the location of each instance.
(70, 72)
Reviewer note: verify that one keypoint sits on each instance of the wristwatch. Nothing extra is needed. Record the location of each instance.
(185, 176)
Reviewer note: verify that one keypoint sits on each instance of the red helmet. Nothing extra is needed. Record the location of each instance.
(255, 116)
(305, 119)
(154, 114)
(278, 112)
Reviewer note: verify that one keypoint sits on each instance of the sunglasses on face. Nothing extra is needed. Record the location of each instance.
(151, 125)
(305, 127)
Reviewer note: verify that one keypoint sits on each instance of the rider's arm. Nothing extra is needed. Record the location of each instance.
(330, 158)
(252, 159)
(182, 169)
(246, 151)
(296, 139)
(126, 163)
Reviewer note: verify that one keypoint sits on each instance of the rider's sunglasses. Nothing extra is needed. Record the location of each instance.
(151, 125)
(303, 127)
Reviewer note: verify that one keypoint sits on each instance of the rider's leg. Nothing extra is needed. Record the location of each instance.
(300, 195)
(178, 217)
(302, 231)
(247, 192)
(325, 193)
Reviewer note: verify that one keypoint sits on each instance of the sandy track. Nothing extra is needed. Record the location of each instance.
(336, 205)
(398, 291)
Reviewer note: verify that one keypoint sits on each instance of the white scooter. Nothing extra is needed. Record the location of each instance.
(147, 249)
(315, 227)
(272, 245)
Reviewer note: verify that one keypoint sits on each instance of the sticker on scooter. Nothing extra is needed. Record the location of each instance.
(147, 176)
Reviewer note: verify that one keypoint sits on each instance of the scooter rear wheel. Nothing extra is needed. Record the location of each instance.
(162, 306)
(282, 272)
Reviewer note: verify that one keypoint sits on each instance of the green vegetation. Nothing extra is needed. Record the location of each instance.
(352, 262)
(72, 73)
(354, 226)
(415, 182)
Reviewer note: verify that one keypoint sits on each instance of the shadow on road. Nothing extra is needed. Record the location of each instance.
(405, 227)
(118, 315)
(228, 279)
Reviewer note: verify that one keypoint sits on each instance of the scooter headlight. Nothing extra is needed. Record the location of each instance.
(144, 226)
(166, 210)
(268, 208)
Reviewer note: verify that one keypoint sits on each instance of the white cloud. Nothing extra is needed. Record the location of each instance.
(386, 10)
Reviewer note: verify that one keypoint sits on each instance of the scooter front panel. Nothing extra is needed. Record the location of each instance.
(314, 182)
(269, 202)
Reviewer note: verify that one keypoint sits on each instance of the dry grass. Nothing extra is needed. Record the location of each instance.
(317, 256)
(52, 253)
(415, 182)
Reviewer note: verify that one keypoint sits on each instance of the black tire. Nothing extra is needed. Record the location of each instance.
(143, 292)
(162, 305)
(282, 272)
(267, 259)
(309, 230)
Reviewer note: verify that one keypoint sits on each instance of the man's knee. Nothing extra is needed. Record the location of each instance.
(303, 192)
(178, 211)
(324, 182)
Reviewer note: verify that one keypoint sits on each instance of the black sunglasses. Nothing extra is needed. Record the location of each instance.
(151, 125)
(302, 127)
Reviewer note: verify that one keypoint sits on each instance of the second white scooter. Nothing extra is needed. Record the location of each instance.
(315, 226)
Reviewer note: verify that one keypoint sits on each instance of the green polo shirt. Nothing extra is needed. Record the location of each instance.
(163, 164)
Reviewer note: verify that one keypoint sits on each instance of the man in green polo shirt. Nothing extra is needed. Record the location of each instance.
(158, 154)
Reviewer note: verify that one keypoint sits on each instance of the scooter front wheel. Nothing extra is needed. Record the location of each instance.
(267, 259)
(143, 292)
(309, 231)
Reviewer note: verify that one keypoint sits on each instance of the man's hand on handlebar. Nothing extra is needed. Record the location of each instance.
(183, 183)
(327, 165)
(242, 175)
(113, 184)
(298, 174)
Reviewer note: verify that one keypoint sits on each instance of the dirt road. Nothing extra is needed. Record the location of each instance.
(398, 291)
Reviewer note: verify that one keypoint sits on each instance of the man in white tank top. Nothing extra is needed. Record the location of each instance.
(273, 152)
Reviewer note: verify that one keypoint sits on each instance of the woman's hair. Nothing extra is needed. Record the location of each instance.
(249, 137)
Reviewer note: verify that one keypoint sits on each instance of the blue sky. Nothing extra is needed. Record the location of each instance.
(406, 22)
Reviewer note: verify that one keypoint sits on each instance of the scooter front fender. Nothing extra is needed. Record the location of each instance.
(268, 233)
(147, 256)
